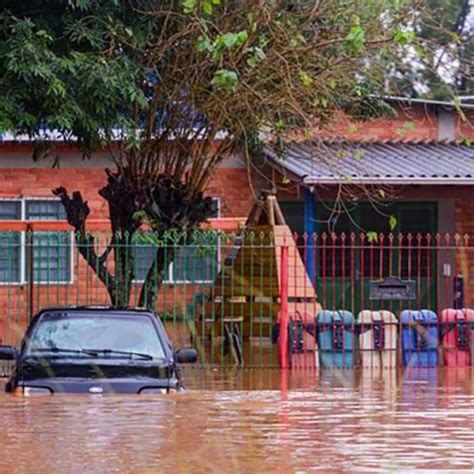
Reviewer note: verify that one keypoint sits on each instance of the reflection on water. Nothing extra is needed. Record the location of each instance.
(253, 421)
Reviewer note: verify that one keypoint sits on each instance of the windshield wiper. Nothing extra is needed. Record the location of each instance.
(131, 354)
(61, 350)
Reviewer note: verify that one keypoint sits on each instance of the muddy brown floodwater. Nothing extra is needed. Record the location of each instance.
(252, 421)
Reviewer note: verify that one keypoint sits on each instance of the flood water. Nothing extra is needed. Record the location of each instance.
(253, 421)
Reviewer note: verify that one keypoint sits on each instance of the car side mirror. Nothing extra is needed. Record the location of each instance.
(185, 356)
(8, 353)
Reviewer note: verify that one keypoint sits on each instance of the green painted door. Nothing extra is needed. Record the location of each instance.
(345, 263)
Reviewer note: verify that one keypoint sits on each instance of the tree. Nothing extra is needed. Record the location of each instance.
(442, 64)
(172, 87)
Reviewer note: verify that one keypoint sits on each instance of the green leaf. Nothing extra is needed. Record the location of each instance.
(44, 35)
(56, 88)
(401, 132)
(340, 154)
(409, 125)
(189, 5)
(420, 50)
(372, 236)
(297, 40)
(204, 44)
(355, 19)
(226, 79)
(285, 180)
(404, 37)
(456, 38)
(359, 154)
(279, 124)
(392, 222)
(457, 105)
(234, 39)
(463, 140)
(352, 129)
(305, 79)
(207, 7)
(355, 39)
(381, 193)
(229, 39)
(139, 215)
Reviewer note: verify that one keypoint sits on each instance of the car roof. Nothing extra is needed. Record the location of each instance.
(102, 310)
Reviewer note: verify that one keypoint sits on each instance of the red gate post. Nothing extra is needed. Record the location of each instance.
(284, 309)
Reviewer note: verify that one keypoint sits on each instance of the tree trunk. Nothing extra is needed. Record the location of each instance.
(124, 269)
(155, 277)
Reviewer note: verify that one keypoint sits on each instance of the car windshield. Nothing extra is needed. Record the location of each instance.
(115, 335)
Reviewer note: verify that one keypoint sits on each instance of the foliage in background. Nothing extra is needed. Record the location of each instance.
(441, 65)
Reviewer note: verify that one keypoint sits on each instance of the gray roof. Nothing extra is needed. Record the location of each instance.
(335, 161)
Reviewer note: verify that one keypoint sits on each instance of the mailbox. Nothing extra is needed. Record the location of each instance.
(392, 288)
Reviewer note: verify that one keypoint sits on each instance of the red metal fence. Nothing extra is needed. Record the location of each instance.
(386, 301)
(342, 300)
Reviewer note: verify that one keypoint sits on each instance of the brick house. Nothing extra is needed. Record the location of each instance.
(60, 275)
(417, 158)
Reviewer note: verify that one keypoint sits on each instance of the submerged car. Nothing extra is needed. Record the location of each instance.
(95, 350)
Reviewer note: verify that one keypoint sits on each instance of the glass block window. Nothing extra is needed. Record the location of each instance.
(52, 251)
(144, 252)
(10, 210)
(197, 261)
(10, 257)
(44, 210)
(10, 244)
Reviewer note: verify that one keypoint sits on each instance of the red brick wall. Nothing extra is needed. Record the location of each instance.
(424, 120)
(230, 185)
(465, 128)
(386, 128)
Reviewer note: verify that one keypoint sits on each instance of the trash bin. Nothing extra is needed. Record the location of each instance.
(302, 340)
(457, 331)
(419, 338)
(377, 338)
(336, 338)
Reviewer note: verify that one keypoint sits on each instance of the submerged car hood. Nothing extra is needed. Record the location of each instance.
(93, 369)
(98, 386)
